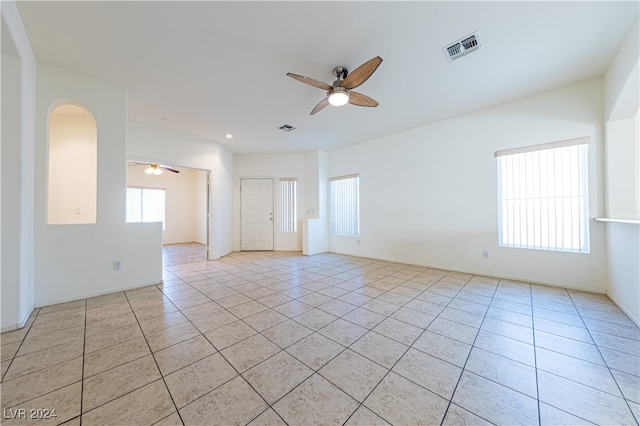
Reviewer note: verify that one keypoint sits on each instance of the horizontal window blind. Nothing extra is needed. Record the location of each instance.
(345, 205)
(543, 197)
(288, 218)
(146, 205)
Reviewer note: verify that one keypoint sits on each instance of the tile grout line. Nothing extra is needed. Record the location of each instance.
(535, 355)
(81, 381)
(117, 366)
(404, 353)
(388, 316)
(579, 359)
(84, 346)
(154, 360)
(269, 406)
(624, 398)
(473, 345)
(15, 355)
(235, 266)
(316, 371)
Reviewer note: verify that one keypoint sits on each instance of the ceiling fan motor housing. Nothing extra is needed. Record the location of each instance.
(340, 72)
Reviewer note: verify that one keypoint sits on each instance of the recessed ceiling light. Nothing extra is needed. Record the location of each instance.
(228, 136)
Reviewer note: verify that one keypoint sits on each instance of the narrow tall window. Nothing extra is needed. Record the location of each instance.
(344, 195)
(145, 205)
(288, 218)
(543, 196)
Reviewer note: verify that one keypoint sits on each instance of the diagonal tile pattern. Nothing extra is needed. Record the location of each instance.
(268, 338)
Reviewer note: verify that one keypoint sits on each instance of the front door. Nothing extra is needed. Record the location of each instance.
(256, 212)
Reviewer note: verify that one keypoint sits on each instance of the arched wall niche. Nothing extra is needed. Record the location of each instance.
(72, 165)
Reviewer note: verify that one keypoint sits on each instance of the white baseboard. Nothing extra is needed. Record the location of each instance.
(96, 294)
(625, 310)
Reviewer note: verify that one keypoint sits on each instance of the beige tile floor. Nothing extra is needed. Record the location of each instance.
(183, 253)
(279, 338)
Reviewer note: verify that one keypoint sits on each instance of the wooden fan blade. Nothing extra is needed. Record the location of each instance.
(169, 169)
(361, 74)
(359, 99)
(310, 81)
(321, 105)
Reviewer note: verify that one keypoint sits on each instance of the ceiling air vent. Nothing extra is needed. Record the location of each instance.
(286, 128)
(462, 47)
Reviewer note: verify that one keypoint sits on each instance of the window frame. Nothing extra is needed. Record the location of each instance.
(349, 223)
(288, 205)
(548, 205)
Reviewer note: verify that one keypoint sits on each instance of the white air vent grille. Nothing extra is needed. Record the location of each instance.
(287, 128)
(462, 47)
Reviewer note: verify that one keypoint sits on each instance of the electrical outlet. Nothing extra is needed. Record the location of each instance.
(117, 265)
(485, 254)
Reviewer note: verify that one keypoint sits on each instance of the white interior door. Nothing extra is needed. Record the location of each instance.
(256, 211)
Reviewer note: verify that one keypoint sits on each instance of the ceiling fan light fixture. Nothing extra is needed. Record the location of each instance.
(339, 96)
(153, 170)
(339, 93)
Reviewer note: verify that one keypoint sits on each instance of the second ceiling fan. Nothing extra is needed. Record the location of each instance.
(340, 92)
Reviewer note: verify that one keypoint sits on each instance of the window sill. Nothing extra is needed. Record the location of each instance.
(607, 219)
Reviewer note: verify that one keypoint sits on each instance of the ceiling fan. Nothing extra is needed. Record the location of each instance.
(340, 92)
(154, 169)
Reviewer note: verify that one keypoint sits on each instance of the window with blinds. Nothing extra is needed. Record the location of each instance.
(145, 205)
(288, 218)
(344, 193)
(543, 196)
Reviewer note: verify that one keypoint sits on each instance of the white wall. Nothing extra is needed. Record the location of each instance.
(429, 195)
(622, 78)
(10, 149)
(183, 218)
(166, 146)
(316, 224)
(623, 199)
(274, 166)
(622, 96)
(17, 297)
(200, 209)
(76, 261)
(623, 273)
(623, 183)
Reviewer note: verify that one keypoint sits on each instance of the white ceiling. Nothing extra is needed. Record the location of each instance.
(212, 68)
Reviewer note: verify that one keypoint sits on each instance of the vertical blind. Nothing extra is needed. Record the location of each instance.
(543, 197)
(145, 205)
(345, 205)
(288, 218)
